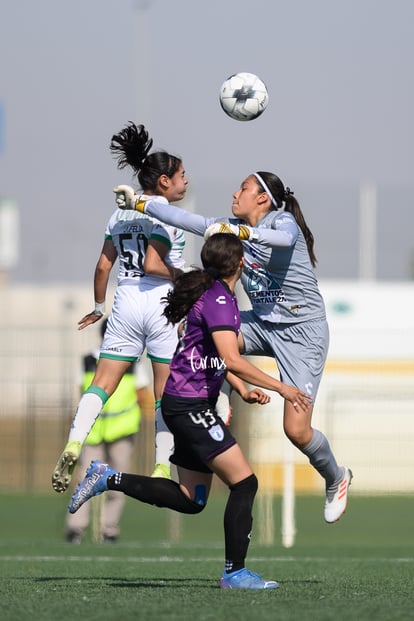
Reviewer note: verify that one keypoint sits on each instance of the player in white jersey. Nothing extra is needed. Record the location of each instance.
(287, 320)
(150, 257)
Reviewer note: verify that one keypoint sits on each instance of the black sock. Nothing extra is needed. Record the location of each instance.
(154, 491)
(238, 521)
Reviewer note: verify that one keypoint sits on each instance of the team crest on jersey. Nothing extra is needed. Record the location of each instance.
(260, 280)
(262, 288)
(216, 433)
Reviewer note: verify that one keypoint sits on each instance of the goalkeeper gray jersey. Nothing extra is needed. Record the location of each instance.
(278, 276)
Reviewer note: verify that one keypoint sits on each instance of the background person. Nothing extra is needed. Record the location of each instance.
(111, 439)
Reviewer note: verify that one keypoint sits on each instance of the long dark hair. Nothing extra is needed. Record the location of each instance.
(131, 147)
(220, 256)
(285, 195)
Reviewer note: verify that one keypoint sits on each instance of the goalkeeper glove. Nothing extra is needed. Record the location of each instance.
(239, 230)
(127, 199)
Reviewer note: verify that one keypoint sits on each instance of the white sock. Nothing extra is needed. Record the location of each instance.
(87, 412)
(164, 440)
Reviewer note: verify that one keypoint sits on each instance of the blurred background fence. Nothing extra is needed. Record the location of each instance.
(365, 404)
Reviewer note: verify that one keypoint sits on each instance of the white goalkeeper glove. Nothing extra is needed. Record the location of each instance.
(127, 199)
(239, 230)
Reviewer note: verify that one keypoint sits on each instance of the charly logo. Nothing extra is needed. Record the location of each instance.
(221, 299)
(216, 433)
(309, 387)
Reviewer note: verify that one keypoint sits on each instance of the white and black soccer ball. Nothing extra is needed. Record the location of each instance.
(244, 96)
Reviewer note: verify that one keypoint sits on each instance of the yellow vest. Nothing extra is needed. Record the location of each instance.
(121, 414)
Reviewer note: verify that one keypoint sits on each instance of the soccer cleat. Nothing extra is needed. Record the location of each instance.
(74, 537)
(94, 483)
(245, 579)
(337, 497)
(161, 471)
(65, 466)
(110, 538)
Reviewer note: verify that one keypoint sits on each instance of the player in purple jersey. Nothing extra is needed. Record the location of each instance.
(207, 353)
(287, 320)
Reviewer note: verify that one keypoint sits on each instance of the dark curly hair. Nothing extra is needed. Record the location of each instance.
(220, 256)
(131, 147)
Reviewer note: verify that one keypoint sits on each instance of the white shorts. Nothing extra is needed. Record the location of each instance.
(300, 349)
(136, 322)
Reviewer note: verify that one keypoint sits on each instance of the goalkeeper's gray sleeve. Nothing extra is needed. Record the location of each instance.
(175, 216)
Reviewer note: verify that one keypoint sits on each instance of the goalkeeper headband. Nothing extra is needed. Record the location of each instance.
(268, 192)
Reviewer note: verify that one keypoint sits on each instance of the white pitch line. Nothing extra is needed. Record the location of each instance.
(179, 559)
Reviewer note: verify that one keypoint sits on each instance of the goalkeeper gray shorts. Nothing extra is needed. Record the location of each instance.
(299, 349)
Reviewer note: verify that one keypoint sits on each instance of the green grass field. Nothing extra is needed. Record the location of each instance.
(361, 568)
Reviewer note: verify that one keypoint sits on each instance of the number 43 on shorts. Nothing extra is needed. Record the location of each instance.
(207, 419)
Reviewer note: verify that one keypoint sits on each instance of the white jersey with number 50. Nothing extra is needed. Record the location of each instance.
(136, 321)
(131, 232)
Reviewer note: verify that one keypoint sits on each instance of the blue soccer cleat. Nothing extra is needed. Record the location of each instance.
(94, 483)
(245, 579)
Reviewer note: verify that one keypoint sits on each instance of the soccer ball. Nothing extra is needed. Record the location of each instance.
(243, 96)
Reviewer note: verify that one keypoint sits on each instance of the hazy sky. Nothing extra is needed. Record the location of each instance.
(341, 87)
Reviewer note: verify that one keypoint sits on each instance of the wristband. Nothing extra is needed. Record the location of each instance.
(140, 202)
(244, 232)
(99, 308)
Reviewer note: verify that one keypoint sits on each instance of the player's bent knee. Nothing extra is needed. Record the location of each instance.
(248, 485)
(199, 502)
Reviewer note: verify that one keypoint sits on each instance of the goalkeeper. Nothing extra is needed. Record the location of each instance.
(287, 319)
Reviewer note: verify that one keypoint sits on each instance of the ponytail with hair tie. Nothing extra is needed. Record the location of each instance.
(288, 192)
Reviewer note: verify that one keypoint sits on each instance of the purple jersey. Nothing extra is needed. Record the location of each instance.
(196, 370)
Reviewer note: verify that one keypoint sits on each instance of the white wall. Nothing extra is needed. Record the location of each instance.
(366, 398)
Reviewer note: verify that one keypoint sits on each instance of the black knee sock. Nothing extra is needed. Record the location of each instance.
(154, 491)
(238, 522)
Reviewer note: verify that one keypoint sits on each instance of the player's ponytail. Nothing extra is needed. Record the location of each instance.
(220, 255)
(292, 205)
(283, 198)
(188, 287)
(131, 147)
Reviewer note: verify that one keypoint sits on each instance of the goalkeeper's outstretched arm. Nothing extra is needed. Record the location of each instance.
(175, 216)
(199, 225)
(169, 214)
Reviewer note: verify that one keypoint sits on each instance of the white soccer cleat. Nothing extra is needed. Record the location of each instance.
(337, 497)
